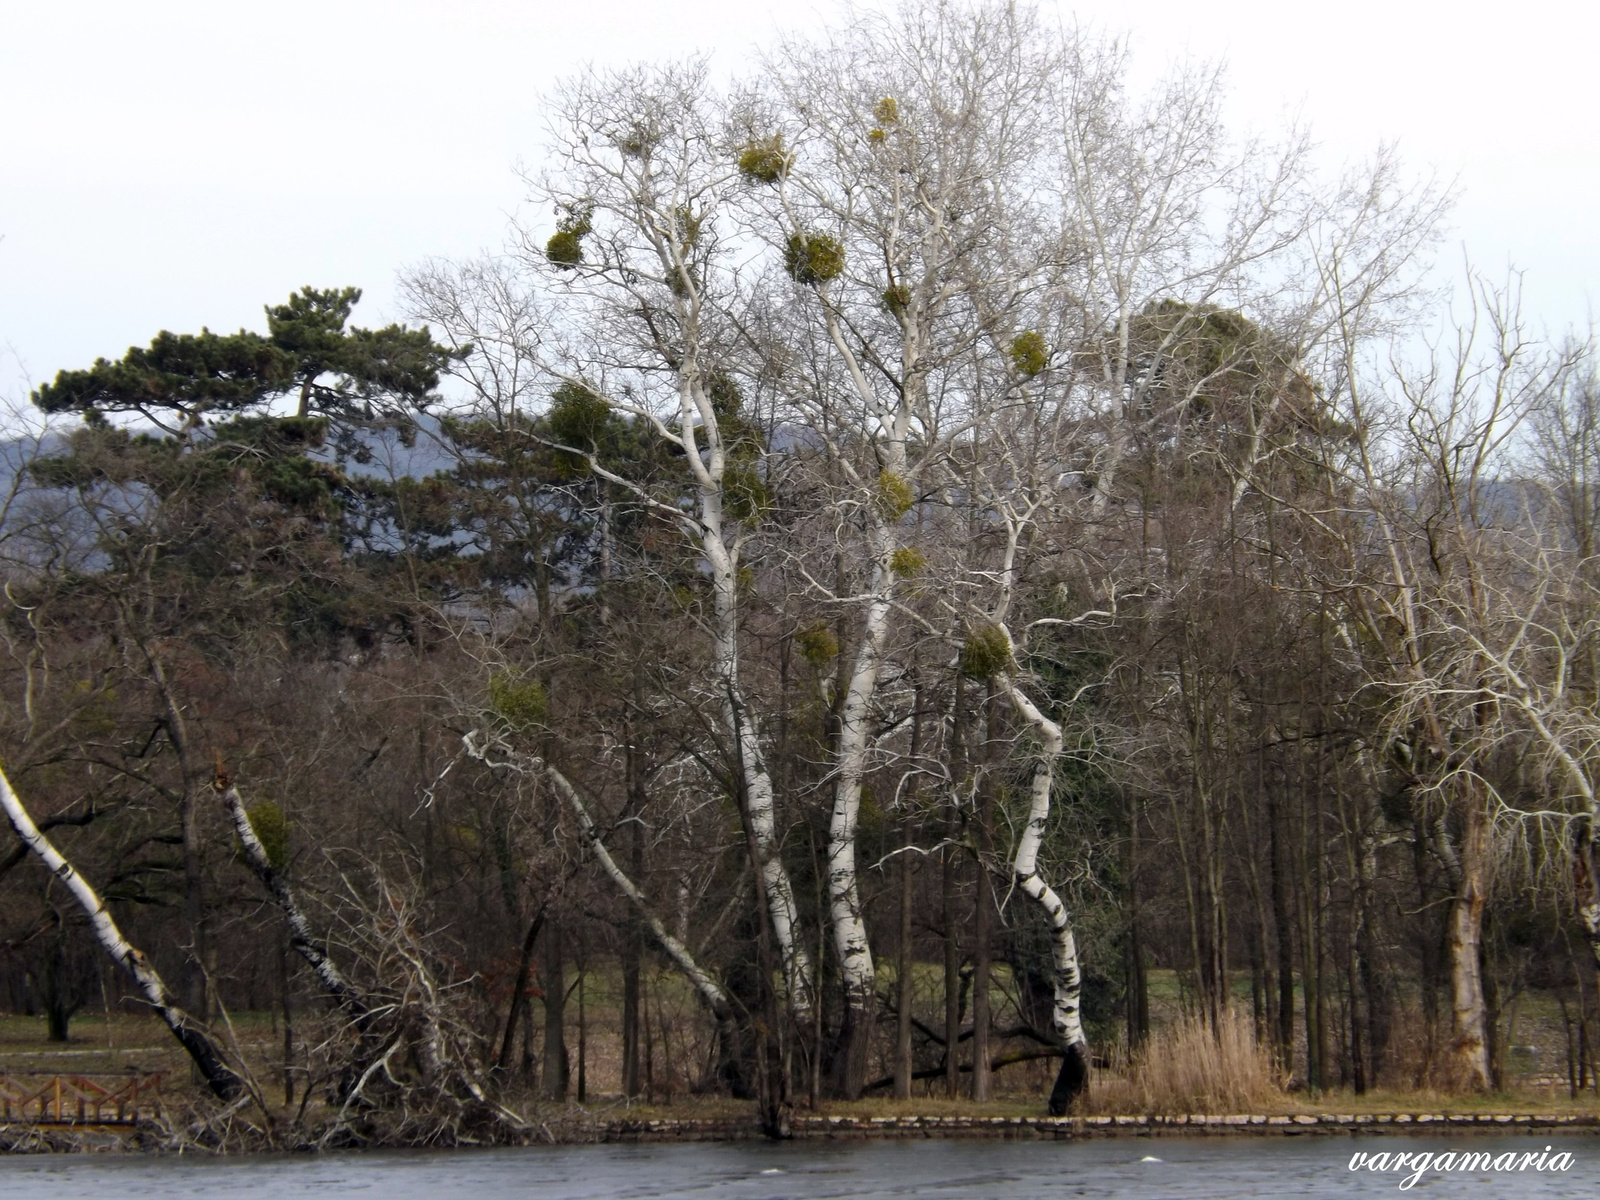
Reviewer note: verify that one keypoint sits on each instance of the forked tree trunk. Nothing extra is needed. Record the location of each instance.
(208, 1059)
(196, 980)
(519, 996)
(1066, 1014)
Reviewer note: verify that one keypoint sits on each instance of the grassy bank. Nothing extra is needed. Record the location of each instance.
(1184, 1070)
(1181, 1076)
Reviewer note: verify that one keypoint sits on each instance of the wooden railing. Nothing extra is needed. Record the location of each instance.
(79, 1100)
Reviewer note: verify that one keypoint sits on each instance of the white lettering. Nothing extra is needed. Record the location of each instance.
(1413, 1165)
(1420, 1162)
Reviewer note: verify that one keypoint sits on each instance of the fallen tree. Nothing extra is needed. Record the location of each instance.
(223, 1080)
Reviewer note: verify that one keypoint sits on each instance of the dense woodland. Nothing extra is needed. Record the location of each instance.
(903, 545)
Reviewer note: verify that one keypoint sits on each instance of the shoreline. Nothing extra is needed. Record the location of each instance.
(67, 1138)
(824, 1128)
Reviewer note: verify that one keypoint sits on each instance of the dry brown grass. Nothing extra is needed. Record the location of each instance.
(1188, 1068)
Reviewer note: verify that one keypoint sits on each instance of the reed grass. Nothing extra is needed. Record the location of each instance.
(1188, 1067)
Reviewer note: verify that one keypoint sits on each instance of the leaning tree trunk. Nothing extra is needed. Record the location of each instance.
(710, 991)
(519, 998)
(300, 936)
(208, 1058)
(1066, 1018)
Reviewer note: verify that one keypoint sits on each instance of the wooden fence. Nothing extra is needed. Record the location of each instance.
(79, 1100)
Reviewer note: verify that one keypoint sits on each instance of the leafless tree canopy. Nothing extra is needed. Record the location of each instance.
(895, 551)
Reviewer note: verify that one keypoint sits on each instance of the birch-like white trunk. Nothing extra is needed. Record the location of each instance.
(1066, 1016)
(745, 734)
(710, 991)
(255, 856)
(844, 893)
(220, 1077)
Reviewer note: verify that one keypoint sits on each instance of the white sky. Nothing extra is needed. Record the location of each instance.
(172, 164)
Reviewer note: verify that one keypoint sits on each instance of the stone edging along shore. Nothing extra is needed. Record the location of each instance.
(586, 1129)
(846, 1128)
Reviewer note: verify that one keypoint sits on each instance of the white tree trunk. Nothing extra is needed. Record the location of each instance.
(745, 734)
(1066, 1017)
(255, 855)
(716, 999)
(844, 892)
(221, 1078)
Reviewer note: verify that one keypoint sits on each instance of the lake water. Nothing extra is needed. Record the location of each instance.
(1233, 1167)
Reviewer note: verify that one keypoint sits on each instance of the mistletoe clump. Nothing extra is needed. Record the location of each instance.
(895, 496)
(1029, 354)
(813, 258)
(764, 161)
(817, 643)
(986, 653)
(521, 704)
(907, 561)
(565, 247)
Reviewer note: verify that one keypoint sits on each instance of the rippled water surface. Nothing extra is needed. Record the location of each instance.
(1235, 1167)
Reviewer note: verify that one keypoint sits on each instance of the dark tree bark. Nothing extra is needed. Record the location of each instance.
(903, 1065)
(952, 975)
(553, 976)
(983, 907)
(1283, 930)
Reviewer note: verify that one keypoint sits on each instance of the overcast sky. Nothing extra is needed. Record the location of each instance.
(170, 164)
